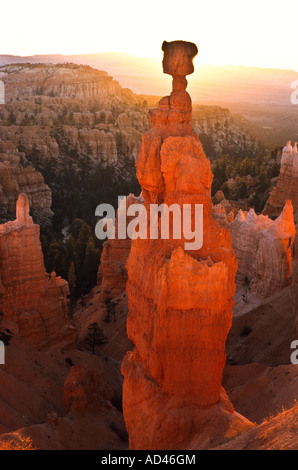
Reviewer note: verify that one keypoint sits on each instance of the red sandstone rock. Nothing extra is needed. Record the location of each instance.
(180, 302)
(295, 290)
(32, 299)
(85, 390)
(285, 189)
(156, 420)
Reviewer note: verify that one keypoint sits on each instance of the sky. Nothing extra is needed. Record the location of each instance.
(260, 33)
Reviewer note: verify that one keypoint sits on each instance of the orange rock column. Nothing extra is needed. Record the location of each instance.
(180, 301)
(35, 302)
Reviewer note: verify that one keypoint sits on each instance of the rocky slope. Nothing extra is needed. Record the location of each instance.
(39, 399)
(46, 393)
(220, 133)
(279, 433)
(99, 118)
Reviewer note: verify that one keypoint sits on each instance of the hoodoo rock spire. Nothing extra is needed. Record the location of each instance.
(180, 301)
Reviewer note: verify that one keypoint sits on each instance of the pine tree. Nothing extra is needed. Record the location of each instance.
(11, 118)
(70, 251)
(110, 309)
(83, 238)
(90, 265)
(95, 336)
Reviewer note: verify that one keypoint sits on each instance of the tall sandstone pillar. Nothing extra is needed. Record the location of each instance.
(180, 301)
(31, 299)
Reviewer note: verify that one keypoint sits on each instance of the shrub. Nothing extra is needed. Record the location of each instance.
(20, 443)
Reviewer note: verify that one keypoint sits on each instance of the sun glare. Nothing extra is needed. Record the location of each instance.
(227, 32)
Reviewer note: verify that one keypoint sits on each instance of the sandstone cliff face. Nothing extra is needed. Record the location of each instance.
(220, 132)
(100, 118)
(35, 302)
(15, 179)
(263, 248)
(180, 301)
(286, 188)
(59, 81)
(69, 109)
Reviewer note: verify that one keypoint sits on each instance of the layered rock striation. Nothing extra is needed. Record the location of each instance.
(31, 298)
(180, 300)
(68, 111)
(15, 179)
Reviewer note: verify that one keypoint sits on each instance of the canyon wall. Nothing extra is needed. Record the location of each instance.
(15, 179)
(67, 109)
(31, 298)
(180, 300)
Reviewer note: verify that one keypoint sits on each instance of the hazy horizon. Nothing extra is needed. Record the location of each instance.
(219, 84)
(197, 61)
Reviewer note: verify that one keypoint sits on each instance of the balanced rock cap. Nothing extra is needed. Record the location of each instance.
(178, 57)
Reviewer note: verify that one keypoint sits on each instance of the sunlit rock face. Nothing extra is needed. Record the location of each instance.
(263, 248)
(295, 289)
(180, 300)
(36, 302)
(286, 189)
